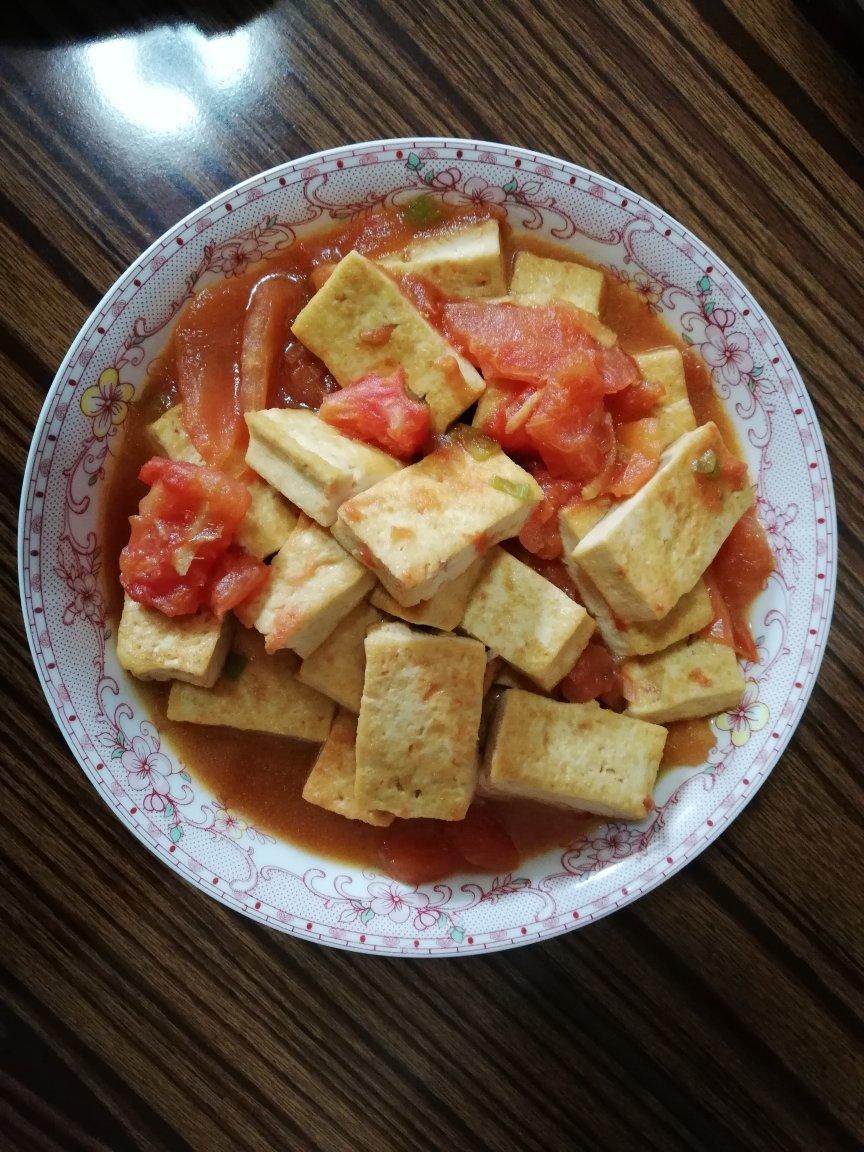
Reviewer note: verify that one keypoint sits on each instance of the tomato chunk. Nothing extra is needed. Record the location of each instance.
(540, 533)
(594, 674)
(208, 340)
(236, 576)
(506, 424)
(417, 851)
(720, 628)
(483, 842)
(273, 304)
(184, 524)
(379, 410)
(569, 427)
(638, 399)
(740, 571)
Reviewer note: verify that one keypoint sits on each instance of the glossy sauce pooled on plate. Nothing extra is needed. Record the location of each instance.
(260, 778)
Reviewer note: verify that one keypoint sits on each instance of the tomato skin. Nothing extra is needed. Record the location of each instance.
(484, 843)
(739, 573)
(426, 298)
(720, 628)
(638, 399)
(512, 396)
(184, 524)
(380, 411)
(540, 534)
(302, 381)
(570, 428)
(273, 304)
(594, 674)
(236, 577)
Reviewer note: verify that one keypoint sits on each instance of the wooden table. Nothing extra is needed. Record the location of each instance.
(722, 1011)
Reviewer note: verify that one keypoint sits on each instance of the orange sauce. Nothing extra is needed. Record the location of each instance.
(259, 777)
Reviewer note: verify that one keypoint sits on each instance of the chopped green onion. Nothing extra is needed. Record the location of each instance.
(234, 665)
(422, 211)
(706, 464)
(518, 491)
(477, 444)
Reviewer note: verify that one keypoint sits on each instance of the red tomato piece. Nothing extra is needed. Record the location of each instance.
(570, 428)
(540, 533)
(184, 524)
(236, 577)
(418, 851)
(633, 402)
(208, 339)
(513, 397)
(484, 843)
(302, 380)
(720, 628)
(619, 371)
(594, 674)
(425, 297)
(379, 410)
(740, 571)
(273, 304)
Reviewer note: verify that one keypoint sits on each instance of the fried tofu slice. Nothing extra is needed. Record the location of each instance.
(419, 723)
(270, 519)
(330, 784)
(313, 585)
(651, 548)
(156, 647)
(692, 612)
(674, 413)
(443, 611)
(427, 524)
(463, 262)
(338, 665)
(360, 299)
(311, 463)
(701, 678)
(547, 279)
(577, 755)
(256, 693)
(525, 619)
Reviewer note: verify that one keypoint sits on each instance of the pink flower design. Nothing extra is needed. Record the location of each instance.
(235, 257)
(228, 825)
(729, 353)
(476, 190)
(146, 767)
(87, 599)
(647, 289)
(776, 524)
(617, 844)
(722, 317)
(106, 403)
(750, 716)
(425, 918)
(154, 802)
(395, 900)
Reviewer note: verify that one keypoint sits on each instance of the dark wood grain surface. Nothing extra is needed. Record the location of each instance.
(722, 1011)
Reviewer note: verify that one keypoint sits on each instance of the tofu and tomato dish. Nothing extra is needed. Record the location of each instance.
(440, 544)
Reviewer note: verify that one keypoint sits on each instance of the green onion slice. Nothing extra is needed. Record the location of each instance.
(706, 464)
(421, 211)
(518, 491)
(476, 444)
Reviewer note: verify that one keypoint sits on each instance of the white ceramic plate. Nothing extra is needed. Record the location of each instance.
(80, 432)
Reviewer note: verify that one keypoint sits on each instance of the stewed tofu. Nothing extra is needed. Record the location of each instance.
(650, 549)
(338, 665)
(546, 279)
(330, 784)
(345, 320)
(313, 585)
(674, 413)
(270, 519)
(463, 262)
(257, 693)
(444, 610)
(700, 678)
(578, 755)
(427, 524)
(525, 619)
(311, 463)
(419, 723)
(153, 646)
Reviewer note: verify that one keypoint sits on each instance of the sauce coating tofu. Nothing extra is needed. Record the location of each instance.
(692, 612)
(156, 647)
(419, 722)
(314, 465)
(262, 695)
(547, 279)
(330, 784)
(359, 299)
(338, 665)
(527, 620)
(443, 611)
(674, 413)
(427, 524)
(270, 519)
(690, 680)
(577, 755)
(463, 262)
(651, 548)
(313, 585)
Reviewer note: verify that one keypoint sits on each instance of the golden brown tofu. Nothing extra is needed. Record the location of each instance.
(256, 693)
(359, 299)
(338, 665)
(694, 679)
(444, 610)
(311, 463)
(156, 647)
(330, 784)
(577, 755)
(427, 524)
(527, 620)
(651, 548)
(674, 413)
(419, 723)
(464, 262)
(313, 585)
(550, 279)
